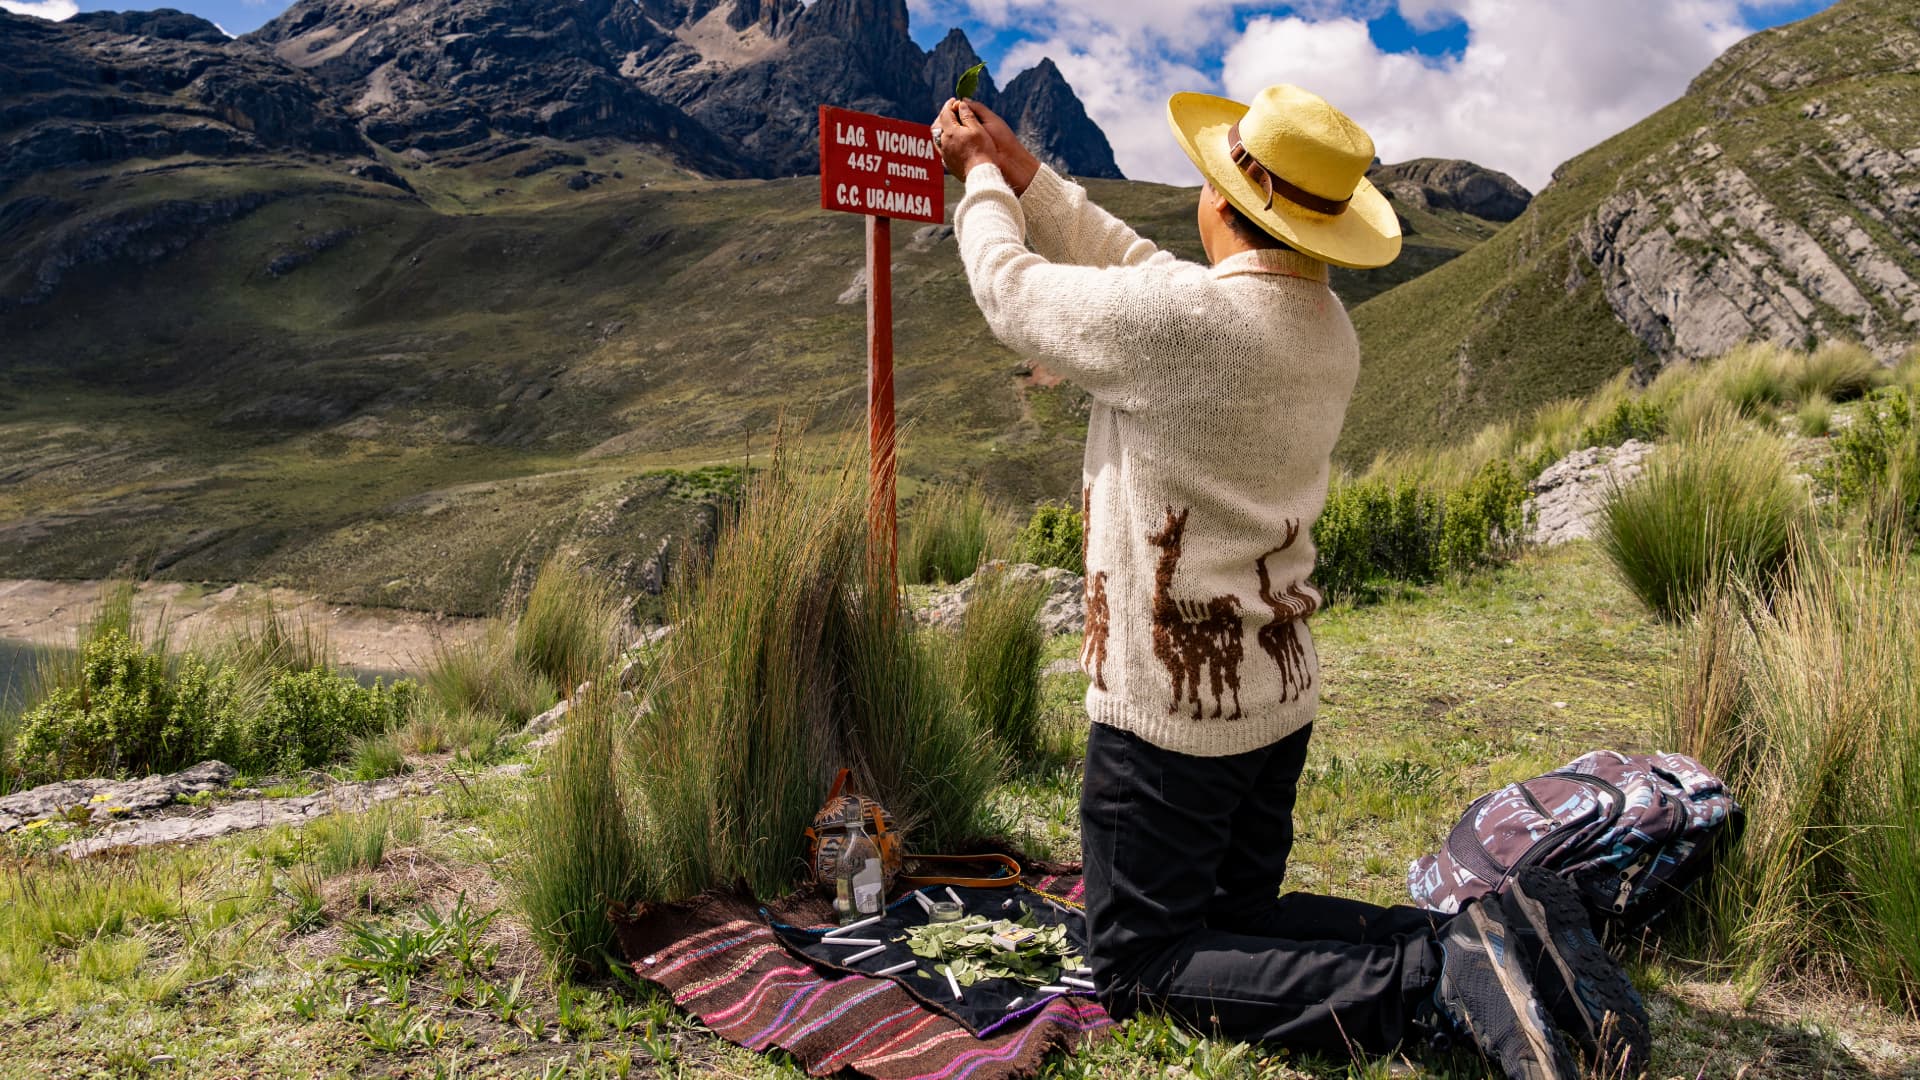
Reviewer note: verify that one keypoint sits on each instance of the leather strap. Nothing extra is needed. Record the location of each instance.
(973, 871)
(1275, 185)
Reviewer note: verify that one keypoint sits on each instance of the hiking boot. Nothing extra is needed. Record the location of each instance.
(1584, 990)
(1486, 990)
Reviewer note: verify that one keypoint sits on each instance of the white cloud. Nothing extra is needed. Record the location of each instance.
(1537, 83)
(55, 10)
(1539, 80)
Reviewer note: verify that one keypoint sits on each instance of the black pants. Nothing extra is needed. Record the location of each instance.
(1184, 857)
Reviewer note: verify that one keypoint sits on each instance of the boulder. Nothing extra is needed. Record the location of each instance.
(128, 797)
(1567, 496)
(1063, 612)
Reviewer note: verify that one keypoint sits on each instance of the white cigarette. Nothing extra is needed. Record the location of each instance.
(1081, 983)
(955, 983)
(1054, 989)
(869, 921)
(1083, 971)
(925, 904)
(850, 941)
(863, 954)
(1015, 1003)
(898, 968)
(954, 896)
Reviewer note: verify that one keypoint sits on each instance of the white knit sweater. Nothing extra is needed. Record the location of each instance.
(1217, 393)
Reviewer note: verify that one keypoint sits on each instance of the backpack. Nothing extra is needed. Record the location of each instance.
(1631, 831)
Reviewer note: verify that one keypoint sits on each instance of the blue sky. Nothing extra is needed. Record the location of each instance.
(1518, 85)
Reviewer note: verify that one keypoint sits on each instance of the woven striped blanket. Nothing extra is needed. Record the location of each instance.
(739, 979)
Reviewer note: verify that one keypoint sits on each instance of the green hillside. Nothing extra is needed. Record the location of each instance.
(279, 371)
(1776, 199)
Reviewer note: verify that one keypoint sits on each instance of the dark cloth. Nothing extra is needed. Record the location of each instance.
(982, 1008)
(1184, 857)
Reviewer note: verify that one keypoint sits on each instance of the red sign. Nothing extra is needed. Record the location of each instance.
(876, 165)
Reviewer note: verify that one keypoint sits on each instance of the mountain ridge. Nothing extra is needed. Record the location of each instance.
(1778, 198)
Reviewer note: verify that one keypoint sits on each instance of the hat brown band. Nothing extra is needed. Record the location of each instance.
(1274, 185)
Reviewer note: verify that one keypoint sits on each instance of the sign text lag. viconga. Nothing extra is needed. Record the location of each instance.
(877, 165)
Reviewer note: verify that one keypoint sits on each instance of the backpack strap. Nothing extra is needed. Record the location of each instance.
(973, 871)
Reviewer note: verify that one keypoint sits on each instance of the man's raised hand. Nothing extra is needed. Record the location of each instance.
(963, 141)
(1016, 162)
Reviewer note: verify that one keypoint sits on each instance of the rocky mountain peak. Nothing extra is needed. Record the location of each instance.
(947, 62)
(1053, 123)
(880, 24)
(167, 23)
(1443, 184)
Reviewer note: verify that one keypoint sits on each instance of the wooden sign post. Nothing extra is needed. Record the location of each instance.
(885, 169)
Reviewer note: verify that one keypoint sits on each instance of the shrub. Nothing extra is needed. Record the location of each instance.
(1891, 512)
(570, 628)
(1838, 370)
(1630, 418)
(1864, 453)
(1375, 531)
(128, 714)
(483, 675)
(998, 654)
(1809, 707)
(1719, 505)
(1814, 418)
(581, 851)
(313, 717)
(949, 532)
(1054, 536)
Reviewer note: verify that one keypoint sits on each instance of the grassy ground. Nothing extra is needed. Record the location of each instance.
(233, 958)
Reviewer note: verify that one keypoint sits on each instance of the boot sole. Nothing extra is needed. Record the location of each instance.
(1582, 987)
(1549, 1060)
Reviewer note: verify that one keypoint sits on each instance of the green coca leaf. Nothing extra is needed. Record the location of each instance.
(969, 83)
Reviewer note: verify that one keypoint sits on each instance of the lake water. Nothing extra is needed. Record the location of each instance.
(16, 669)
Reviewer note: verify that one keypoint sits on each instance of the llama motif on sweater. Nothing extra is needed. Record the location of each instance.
(1217, 395)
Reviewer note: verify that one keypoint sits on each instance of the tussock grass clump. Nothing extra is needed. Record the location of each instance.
(1809, 707)
(789, 660)
(999, 650)
(1814, 417)
(343, 842)
(570, 627)
(1720, 505)
(484, 675)
(1754, 377)
(949, 532)
(376, 757)
(1838, 370)
(272, 640)
(582, 851)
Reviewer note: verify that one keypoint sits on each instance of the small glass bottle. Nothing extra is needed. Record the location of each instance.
(859, 884)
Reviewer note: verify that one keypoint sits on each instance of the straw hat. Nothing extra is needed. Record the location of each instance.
(1296, 166)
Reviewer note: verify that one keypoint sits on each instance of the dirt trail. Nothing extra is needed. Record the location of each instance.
(376, 639)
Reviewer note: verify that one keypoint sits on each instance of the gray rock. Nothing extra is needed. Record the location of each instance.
(223, 818)
(1063, 612)
(132, 797)
(548, 720)
(1567, 495)
(1441, 184)
(1061, 667)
